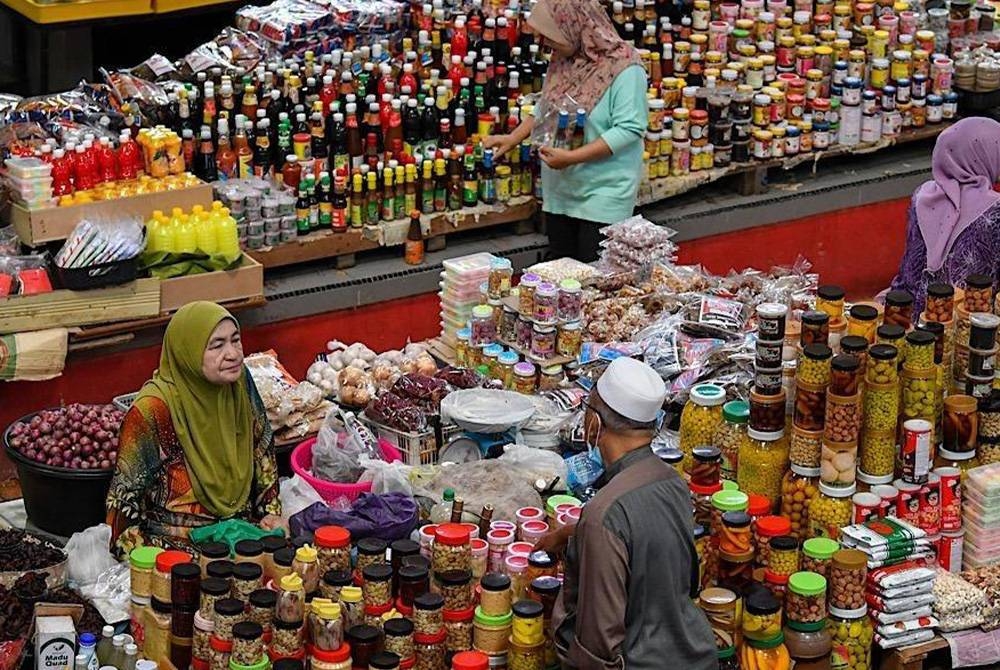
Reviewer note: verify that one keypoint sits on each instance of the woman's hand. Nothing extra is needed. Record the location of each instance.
(558, 159)
(500, 144)
(273, 522)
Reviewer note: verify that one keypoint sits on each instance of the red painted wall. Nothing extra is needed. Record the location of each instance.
(858, 248)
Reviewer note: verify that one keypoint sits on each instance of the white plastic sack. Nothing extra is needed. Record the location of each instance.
(536, 464)
(111, 593)
(88, 555)
(296, 494)
(386, 477)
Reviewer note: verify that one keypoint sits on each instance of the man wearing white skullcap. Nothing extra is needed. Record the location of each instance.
(631, 567)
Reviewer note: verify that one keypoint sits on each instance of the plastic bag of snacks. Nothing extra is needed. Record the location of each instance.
(635, 243)
(958, 604)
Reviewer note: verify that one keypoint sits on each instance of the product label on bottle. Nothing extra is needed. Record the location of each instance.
(325, 214)
(840, 657)
(409, 202)
(356, 217)
(339, 219)
(414, 254)
(302, 220)
(470, 192)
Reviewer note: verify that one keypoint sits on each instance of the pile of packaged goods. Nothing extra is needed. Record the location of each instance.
(365, 111)
(982, 523)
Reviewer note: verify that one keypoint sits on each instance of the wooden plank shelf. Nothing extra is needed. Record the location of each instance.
(343, 246)
(753, 173)
(914, 657)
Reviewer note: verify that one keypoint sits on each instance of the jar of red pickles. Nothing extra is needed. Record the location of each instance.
(705, 466)
(735, 536)
(899, 309)
(570, 305)
(546, 304)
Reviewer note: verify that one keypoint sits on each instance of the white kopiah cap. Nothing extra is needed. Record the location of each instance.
(633, 389)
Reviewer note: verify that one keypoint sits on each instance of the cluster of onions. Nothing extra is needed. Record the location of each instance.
(82, 437)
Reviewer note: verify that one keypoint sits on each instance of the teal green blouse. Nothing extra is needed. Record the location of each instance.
(604, 190)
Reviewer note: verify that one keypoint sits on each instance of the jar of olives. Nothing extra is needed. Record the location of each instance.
(852, 635)
(700, 417)
(919, 351)
(845, 376)
(761, 616)
(805, 600)
(814, 365)
(799, 486)
(877, 454)
(830, 510)
(783, 555)
(762, 463)
(883, 366)
(730, 435)
(919, 393)
(881, 407)
(817, 553)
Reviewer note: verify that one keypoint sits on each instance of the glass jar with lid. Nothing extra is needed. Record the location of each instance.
(883, 365)
(462, 337)
(899, 309)
(452, 548)
(805, 447)
(815, 327)
(810, 406)
(798, 487)
(805, 599)
(852, 634)
(730, 434)
(726, 501)
(700, 417)
(767, 412)
(705, 466)
(783, 555)
(919, 351)
(524, 378)
(814, 365)
(734, 571)
(546, 304)
(808, 644)
(817, 553)
(491, 635)
(386, 660)
(701, 500)
(543, 341)
(735, 537)
(721, 607)
(940, 302)
(491, 359)
(762, 463)
(570, 304)
(306, 566)
(526, 293)
(862, 320)
(830, 510)
(848, 573)
(845, 376)
(830, 300)
(505, 365)
(142, 560)
(761, 616)
(501, 272)
(483, 327)
(569, 339)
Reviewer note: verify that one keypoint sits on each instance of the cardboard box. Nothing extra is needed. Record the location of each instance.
(246, 281)
(63, 308)
(38, 226)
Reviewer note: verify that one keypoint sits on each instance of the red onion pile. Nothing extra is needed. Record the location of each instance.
(81, 437)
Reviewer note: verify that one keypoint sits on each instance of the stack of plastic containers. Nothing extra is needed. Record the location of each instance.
(30, 181)
(460, 292)
(981, 512)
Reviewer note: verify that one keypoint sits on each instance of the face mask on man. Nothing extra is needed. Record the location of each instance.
(593, 450)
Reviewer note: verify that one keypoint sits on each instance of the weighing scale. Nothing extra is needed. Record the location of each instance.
(490, 420)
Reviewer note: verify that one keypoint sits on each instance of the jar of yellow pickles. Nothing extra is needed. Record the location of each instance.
(852, 635)
(799, 486)
(830, 510)
(862, 320)
(763, 460)
(700, 417)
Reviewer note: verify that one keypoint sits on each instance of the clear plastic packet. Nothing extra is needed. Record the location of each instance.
(546, 132)
(9, 242)
(95, 242)
(24, 275)
(155, 68)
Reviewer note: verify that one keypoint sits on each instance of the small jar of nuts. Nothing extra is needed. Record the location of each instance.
(399, 637)
(427, 613)
(804, 448)
(228, 612)
(458, 627)
(219, 653)
(248, 643)
(979, 293)
(246, 579)
(287, 638)
(814, 365)
(940, 305)
(203, 629)
(730, 435)
(430, 651)
(848, 572)
(456, 587)
(843, 418)
(377, 585)
(212, 591)
(333, 546)
(815, 328)
(883, 364)
(452, 549)
(817, 553)
(805, 599)
(783, 555)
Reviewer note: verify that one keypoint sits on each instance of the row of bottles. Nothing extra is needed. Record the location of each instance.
(92, 162)
(211, 231)
(116, 652)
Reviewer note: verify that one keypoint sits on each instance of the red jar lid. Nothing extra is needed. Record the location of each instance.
(699, 115)
(408, 663)
(457, 616)
(377, 610)
(433, 638)
(403, 608)
(773, 526)
(336, 656)
(470, 660)
(452, 534)
(332, 537)
(703, 490)
(220, 645)
(300, 655)
(168, 559)
(200, 663)
(758, 505)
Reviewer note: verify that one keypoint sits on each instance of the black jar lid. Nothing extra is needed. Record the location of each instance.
(983, 331)
(762, 602)
(402, 548)
(853, 344)
(546, 584)
(249, 548)
(815, 318)
(940, 290)
(413, 573)
(287, 625)
(213, 550)
(864, 313)
(288, 664)
(185, 571)
(302, 540)
(784, 543)
(248, 630)
(830, 292)
(273, 543)
(379, 572)
(362, 634)
(706, 454)
(220, 569)
(214, 586)
(736, 519)
(495, 581)
(454, 577)
(339, 578)
(284, 557)
(428, 601)
(263, 599)
(417, 561)
(398, 627)
(898, 299)
(979, 281)
(247, 571)
(372, 546)
(161, 607)
(229, 607)
(887, 331)
(933, 327)
(883, 352)
(817, 351)
(845, 363)
(384, 660)
(920, 338)
(528, 609)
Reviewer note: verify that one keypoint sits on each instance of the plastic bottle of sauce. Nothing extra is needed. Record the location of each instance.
(414, 254)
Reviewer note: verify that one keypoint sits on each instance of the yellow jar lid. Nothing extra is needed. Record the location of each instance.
(306, 554)
(291, 582)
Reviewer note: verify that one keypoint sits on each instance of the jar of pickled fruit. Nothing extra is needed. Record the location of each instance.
(919, 351)
(761, 616)
(899, 309)
(735, 536)
(483, 328)
(726, 501)
(526, 293)
(730, 435)
(852, 635)
(799, 486)
(769, 654)
(919, 394)
(735, 571)
(805, 447)
(830, 300)
(546, 304)
(862, 320)
(814, 365)
(830, 510)
(722, 608)
(883, 364)
(728, 659)
(961, 424)
(847, 577)
(857, 347)
(810, 406)
(762, 463)
(767, 412)
(805, 599)
(700, 417)
(569, 339)
(783, 555)
(842, 421)
(705, 465)
(881, 407)
(815, 328)
(817, 554)
(570, 300)
(701, 500)
(845, 377)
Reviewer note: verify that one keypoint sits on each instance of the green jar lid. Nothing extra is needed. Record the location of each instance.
(730, 501)
(820, 548)
(736, 411)
(495, 621)
(262, 664)
(767, 644)
(144, 558)
(807, 583)
(556, 500)
(806, 627)
(728, 652)
(730, 485)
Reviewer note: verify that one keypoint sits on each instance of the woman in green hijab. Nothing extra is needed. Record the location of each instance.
(196, 447)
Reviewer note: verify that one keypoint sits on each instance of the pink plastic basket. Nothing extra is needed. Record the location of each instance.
(301, 461)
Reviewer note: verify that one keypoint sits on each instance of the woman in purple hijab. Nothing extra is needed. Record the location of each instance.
(954, 219)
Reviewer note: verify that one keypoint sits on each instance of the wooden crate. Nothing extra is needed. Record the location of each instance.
(63, 309)
(38, 226)
(917, 656)
(246, 281)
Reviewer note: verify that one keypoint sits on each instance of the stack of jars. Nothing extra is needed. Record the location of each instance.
(730, 563)
(527, 640)
(880, 415)
(730, 436)
(978, 301)
(169, 628)
(920, 379)
(700, 418)
(763, 457)
(849, 625)
(142, 562)
(545, 590)
(806, 634)
(445, 625)
(763, 642)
